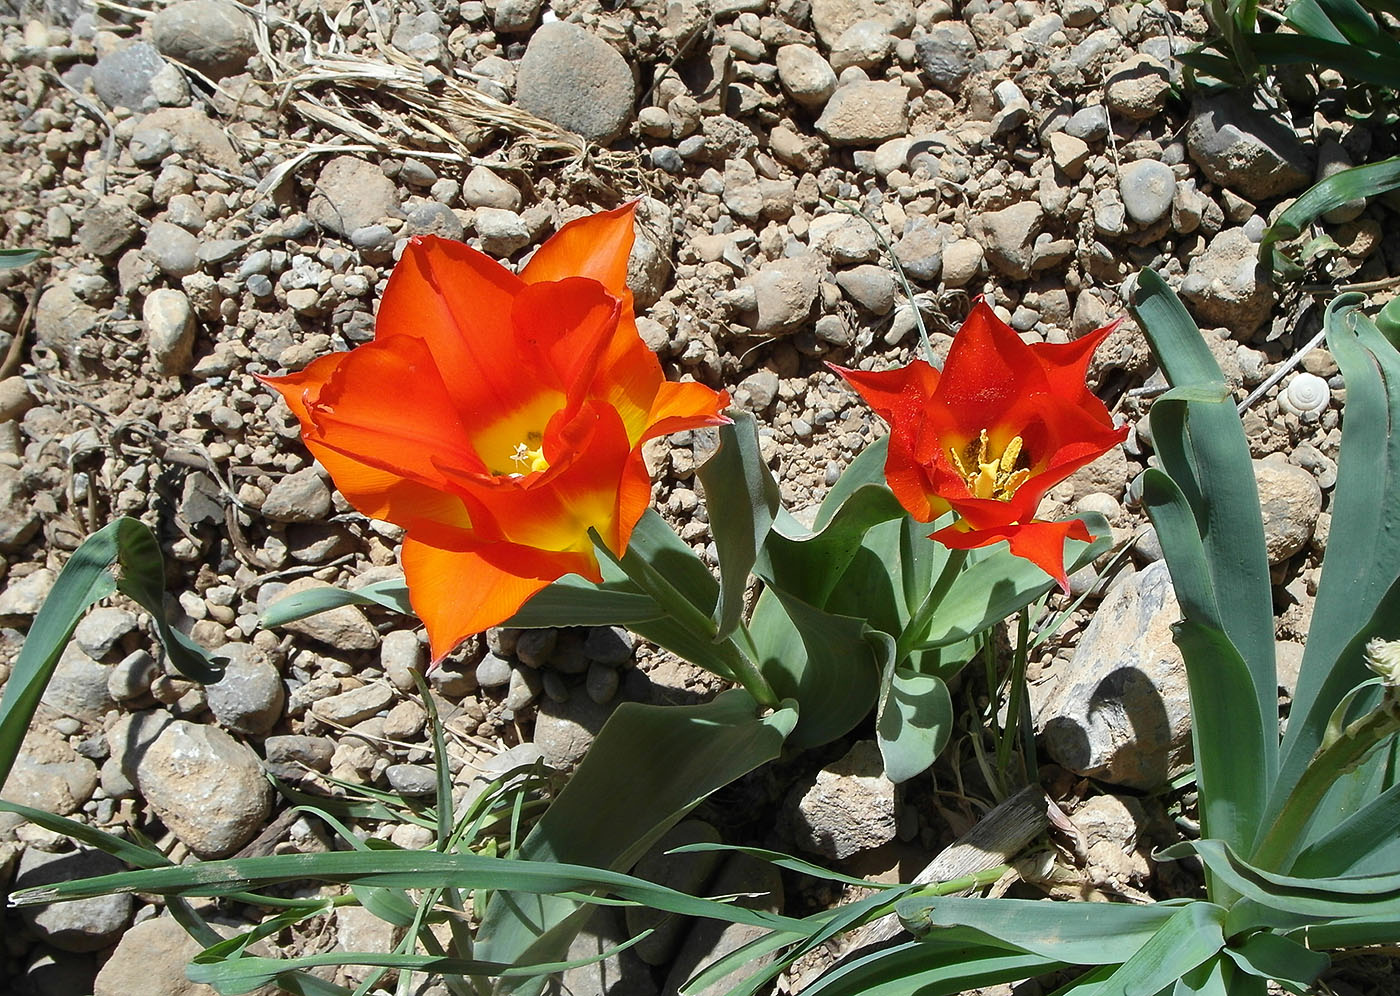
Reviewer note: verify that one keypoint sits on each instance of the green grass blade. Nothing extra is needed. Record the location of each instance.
(742, 498)
(1325, 195)
(930, 968)
(391, 594)
(11, 258)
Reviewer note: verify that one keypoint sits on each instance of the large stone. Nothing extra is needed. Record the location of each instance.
(300, 497)
(19, 519)
(945, 54)
(214, 37)
(172, 248)
(196, 136)
(78, 686)
(168, 318)
(62, 320)
(354, 706)
(1224, 287)
(150, 959)
(249, 696)
(343, 628)
(81, 925)
(1147, 187)
(1137, 88)
(207, 788)
(50, 775)
(123, 78)
(831, 18)
(565, 730)
(865, 112)
(576, 80)
(849, 808)
(108, 226)
(785, 291)
(805, 75)
(1121, 711)
(1290, 501)
(687, 873)
(352, 193)
(1242, 148)
(1008, 237)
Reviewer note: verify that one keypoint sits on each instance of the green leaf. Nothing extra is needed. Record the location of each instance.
(1076, 933)
(1333, 192)
(121, 849)
(648, 767)
(573, 601)
(121, 556)
(1272, 956)
(829, 664)
(742, 498)
(913, 721)
(390, 594)
(11, 258)
(1353, 932)
(930, 968)
(1193, 936)
(1365, 838)
(1000, 584)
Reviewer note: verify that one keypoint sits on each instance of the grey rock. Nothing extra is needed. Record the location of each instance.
(250, 695)
(131, 677)
(962, 261)
(533, 647)
(609, 645)
(870, 286)
(848, 809)
(576, 80)
(151, 958)
(19, 521)
(1223, 285)
(687, 873)
(515, 16)
(431, 218)
(1244, 149)
(565, 730)
(805, 75)
(15, 398)
(354, 706)
(131, 736)
(920, 250)
(216, 251)
(865, 112)
(501, 232)
(172, 248)
(493, 672)
(351, 194)
(78, 686)
(524, 688)
(168, 318)
(314, 752)
(601, 683)
(413, 780)
(758, 390)
(48, 774)
(1147, 187)
(1089, 124)
(101, 629)
(82, 925)
(343, 628)
(621, 974)
(1137, 88)
(195, 136)
(62, 320)
(483, 187)
(373, 237)
(786, 291)
(214, 37)
(148, 146)
(1120, 712)
(1290, 501)
(401, 654)
(23, 596)
(945, 54)
(207, 788)
(831, 18)
(299, 497)
(865, 44)
(710, 940)
(1008, 237)
(108, 227)
(123, 78)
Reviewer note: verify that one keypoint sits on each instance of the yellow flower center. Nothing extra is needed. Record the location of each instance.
(989, 474)
(528, 456)
(513, 446)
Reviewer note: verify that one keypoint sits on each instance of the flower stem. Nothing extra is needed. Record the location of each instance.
(1015, 706)
(917, 627)
(739, 666)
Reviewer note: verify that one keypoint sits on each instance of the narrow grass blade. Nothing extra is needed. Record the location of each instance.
(1336, 190)
(929, 968)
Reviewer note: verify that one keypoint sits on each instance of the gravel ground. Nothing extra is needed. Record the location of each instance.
(224, 192)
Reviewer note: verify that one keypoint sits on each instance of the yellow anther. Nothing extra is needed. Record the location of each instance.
(990, 475)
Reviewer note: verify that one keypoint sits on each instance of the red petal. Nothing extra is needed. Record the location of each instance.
(460, 594)
(564, 329)
(989, 370)
(680, 406)
(1040, 542)
(596, 246)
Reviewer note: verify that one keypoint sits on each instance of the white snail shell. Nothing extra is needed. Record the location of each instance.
(1306, 394)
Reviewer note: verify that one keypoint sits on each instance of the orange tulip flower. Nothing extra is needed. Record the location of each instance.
(498, 418)
(987, 438)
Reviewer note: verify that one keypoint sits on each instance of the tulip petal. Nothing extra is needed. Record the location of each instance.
(460, 594)
(299, 389)
(989, 370)
(459, 302)
(681, 406)
(596, 246)
(428, 513)
(361, 411)
(1039, 541)
(565, 328)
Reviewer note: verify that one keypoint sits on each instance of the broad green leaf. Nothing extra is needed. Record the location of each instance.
(1357, 64)
(1191, 937)
(1212, 979)
(741, 498)
(121, 556)
(391, 594)
(573, 601)
(1364, 839)
(828, 664)
(1341, 897)
(930, 968)
(1000, 584)
(912, 722)
(11, 258)
(648, 767)
(1353, 932)
(1206, 454)
(1076, 933)
(1363, 549)
(1336, 190)
(1272, 956)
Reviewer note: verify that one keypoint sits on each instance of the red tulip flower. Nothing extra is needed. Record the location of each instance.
(498, 418)
(988, 437)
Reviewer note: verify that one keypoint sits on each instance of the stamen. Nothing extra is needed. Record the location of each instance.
(989, 475)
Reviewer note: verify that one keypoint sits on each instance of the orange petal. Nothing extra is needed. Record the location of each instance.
(386, 406)
(459, 302)
(564, 328)
(596, 246)
(457, 595)
(302, 388)
(1039, 541)
(681, 406)
(899, 396)
(1066, 365)
(989, 370)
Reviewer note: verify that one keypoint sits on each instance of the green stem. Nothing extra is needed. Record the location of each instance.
(732, 658)
(1017, 694)
(917, 627)
(1344, 754)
